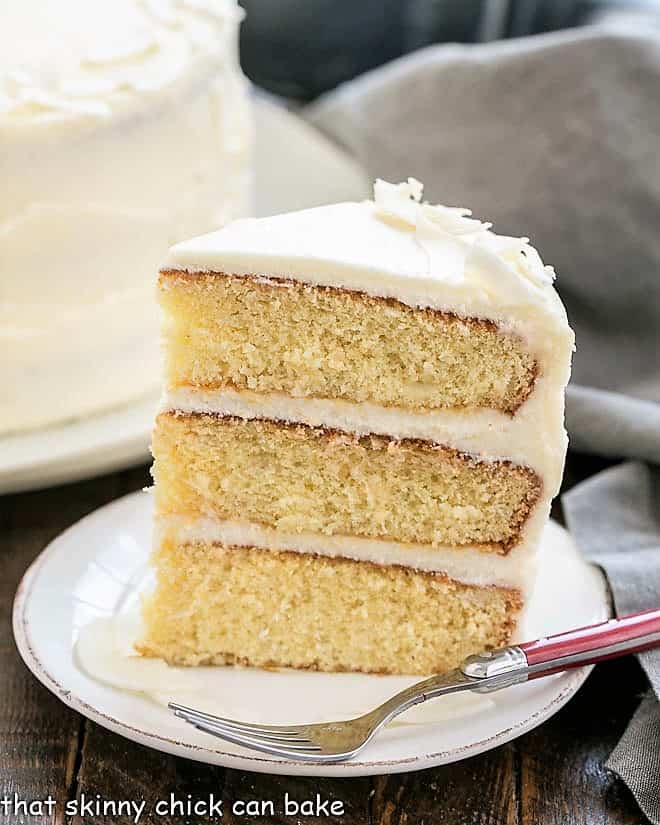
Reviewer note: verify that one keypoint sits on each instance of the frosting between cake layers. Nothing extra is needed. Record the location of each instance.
(464, 564)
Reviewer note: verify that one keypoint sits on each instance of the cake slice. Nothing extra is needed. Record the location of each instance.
(361, 435)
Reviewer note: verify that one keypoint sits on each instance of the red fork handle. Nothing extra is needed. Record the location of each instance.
(588, 645)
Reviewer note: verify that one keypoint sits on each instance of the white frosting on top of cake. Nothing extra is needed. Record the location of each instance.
(401, 205)
(397, 246)
(73, 58)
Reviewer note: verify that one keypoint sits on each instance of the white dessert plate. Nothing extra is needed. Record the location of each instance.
(296, 168)
(74, 616)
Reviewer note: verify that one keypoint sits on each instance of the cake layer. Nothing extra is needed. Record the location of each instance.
(464, 564)
(299, 479)
(271, 335)
(218, 604)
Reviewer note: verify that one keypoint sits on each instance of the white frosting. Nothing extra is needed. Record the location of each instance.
(78, 59)
(124, 128)
(465, 564)
(401, 204)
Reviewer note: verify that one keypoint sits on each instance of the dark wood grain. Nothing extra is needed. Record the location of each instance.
(39, 737)
(480, 790)
(118, 769)
(553, 775)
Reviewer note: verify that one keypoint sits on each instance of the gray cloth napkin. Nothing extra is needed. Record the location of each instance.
(557, 137)
(615, 519)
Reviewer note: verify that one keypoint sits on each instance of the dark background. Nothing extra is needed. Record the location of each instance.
(302, 48)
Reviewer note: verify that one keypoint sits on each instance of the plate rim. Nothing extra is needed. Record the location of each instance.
(131, 450)
(251, 762)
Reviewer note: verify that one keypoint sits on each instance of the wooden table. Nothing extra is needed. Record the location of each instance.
(553, 774)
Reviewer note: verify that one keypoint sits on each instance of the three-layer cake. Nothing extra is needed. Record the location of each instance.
(361, 435)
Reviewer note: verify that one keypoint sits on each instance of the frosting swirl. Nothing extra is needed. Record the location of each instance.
(88, 57)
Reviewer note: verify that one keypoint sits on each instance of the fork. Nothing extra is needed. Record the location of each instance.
(482, 673)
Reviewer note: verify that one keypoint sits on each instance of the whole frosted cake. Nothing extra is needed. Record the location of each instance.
(361, 437)
(124, 128)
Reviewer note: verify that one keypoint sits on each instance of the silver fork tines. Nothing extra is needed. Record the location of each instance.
(269, 738)
(337, 741)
